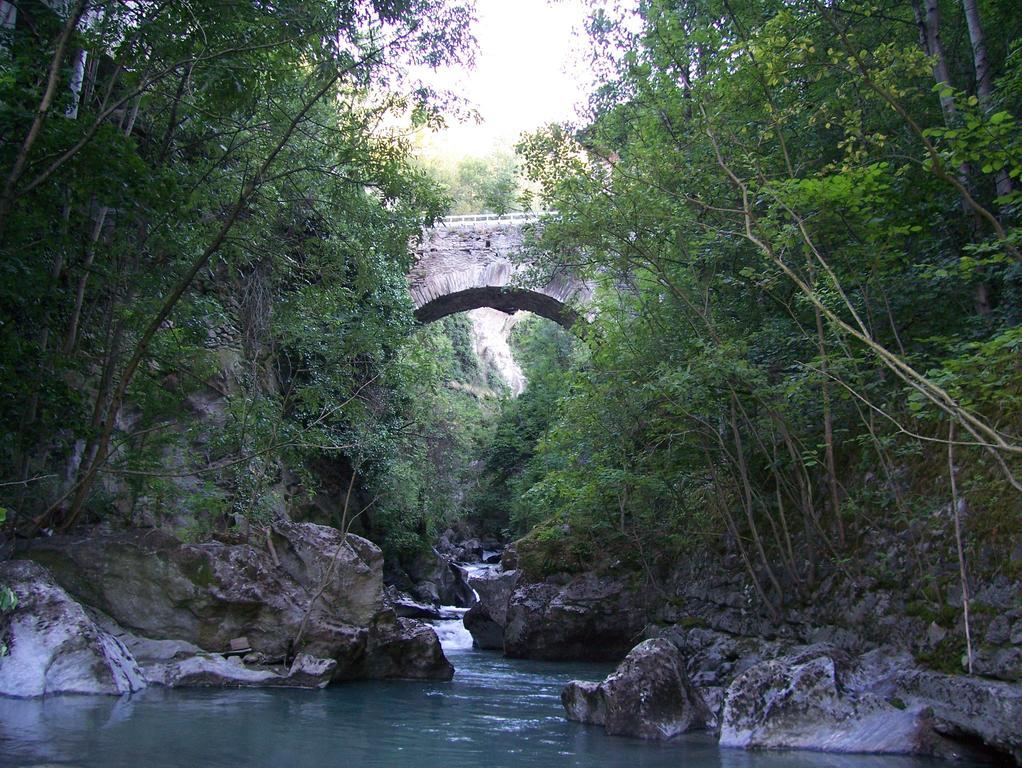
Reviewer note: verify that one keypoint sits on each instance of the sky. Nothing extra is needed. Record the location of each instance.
(530, 70)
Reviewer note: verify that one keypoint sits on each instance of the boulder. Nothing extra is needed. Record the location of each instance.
(430, 577)
(509, 558)
(400, 648)
(648, 696)
(1002, 663)
(968, 708)
(213, 670)
(583, 702)
(206, 594)
(487, 617)
(716, 658)
(437, 579)
(313, 556)
(818, 698)
(589, 618)
(405, 606)
(53, 644)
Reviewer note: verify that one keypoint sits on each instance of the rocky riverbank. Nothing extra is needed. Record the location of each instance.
(114, 611)
(855, 667)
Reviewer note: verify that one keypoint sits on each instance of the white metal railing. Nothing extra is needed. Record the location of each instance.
(469, 219)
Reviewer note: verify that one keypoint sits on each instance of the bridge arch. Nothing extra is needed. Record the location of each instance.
(509, 300)
(476, 261)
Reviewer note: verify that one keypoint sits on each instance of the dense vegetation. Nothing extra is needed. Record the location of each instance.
(803, 221)
(204, 232)
(489, 184)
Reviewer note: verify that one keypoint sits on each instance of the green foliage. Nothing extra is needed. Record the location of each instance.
(546, 354)
(481, 184)
(227, 184)
(793, 281)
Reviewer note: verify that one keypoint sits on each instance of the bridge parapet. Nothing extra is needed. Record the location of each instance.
(494, 219)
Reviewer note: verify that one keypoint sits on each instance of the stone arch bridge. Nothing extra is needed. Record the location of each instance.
(477, 261)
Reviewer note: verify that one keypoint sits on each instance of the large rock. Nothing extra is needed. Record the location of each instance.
(437, 579)
(54, 646)
(207, 594)
(588, 618)
(583, 702)
(715, 658)
(969, 708)
(212, 670)
(401, 648)
(350, 576)
(820, 698)
(648, 696)
(487, 617)
(405, 606)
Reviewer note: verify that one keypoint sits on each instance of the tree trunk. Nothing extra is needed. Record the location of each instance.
(984, 83)
(42, 111)
(929, 38)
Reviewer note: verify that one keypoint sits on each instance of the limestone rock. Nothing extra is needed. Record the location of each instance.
(509, 558)
(486, 619)
(309, 671)
(430, 577)
(986, 711)
(801, 701)
(715, 658)
(400, 648)
(648, 696)
(589, 618)
(310, 553)
(405, 606)
(213, 670)
(583, 702)
(54, 646)
(207, 594)
(1002, 663)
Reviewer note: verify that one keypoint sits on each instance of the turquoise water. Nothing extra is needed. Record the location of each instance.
(496, 712)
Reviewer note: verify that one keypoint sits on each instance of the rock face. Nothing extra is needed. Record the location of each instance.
(487, 618)
(198, 597)
(406, 606)
(434, 578)
(588, 618)
(312, 555)
(985, 711)
(807, 701)
(206, 594)
(401, 648)
(715, 658)
(821, 698)
(54, 646)
(648, 696)
(583, 702)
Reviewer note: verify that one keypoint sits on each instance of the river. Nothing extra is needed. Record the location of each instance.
(496, 713)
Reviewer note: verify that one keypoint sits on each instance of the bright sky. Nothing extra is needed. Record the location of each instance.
(530, 70)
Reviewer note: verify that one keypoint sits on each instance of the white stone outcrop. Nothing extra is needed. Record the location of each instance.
(53, 644)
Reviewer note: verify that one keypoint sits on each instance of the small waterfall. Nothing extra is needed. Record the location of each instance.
(451, 630)
(450, 627)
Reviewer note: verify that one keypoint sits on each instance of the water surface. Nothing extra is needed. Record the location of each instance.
(496, 713)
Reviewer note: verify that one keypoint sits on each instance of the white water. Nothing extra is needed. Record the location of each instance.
(450, 628)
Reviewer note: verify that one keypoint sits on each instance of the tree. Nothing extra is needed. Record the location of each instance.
(225, 161)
